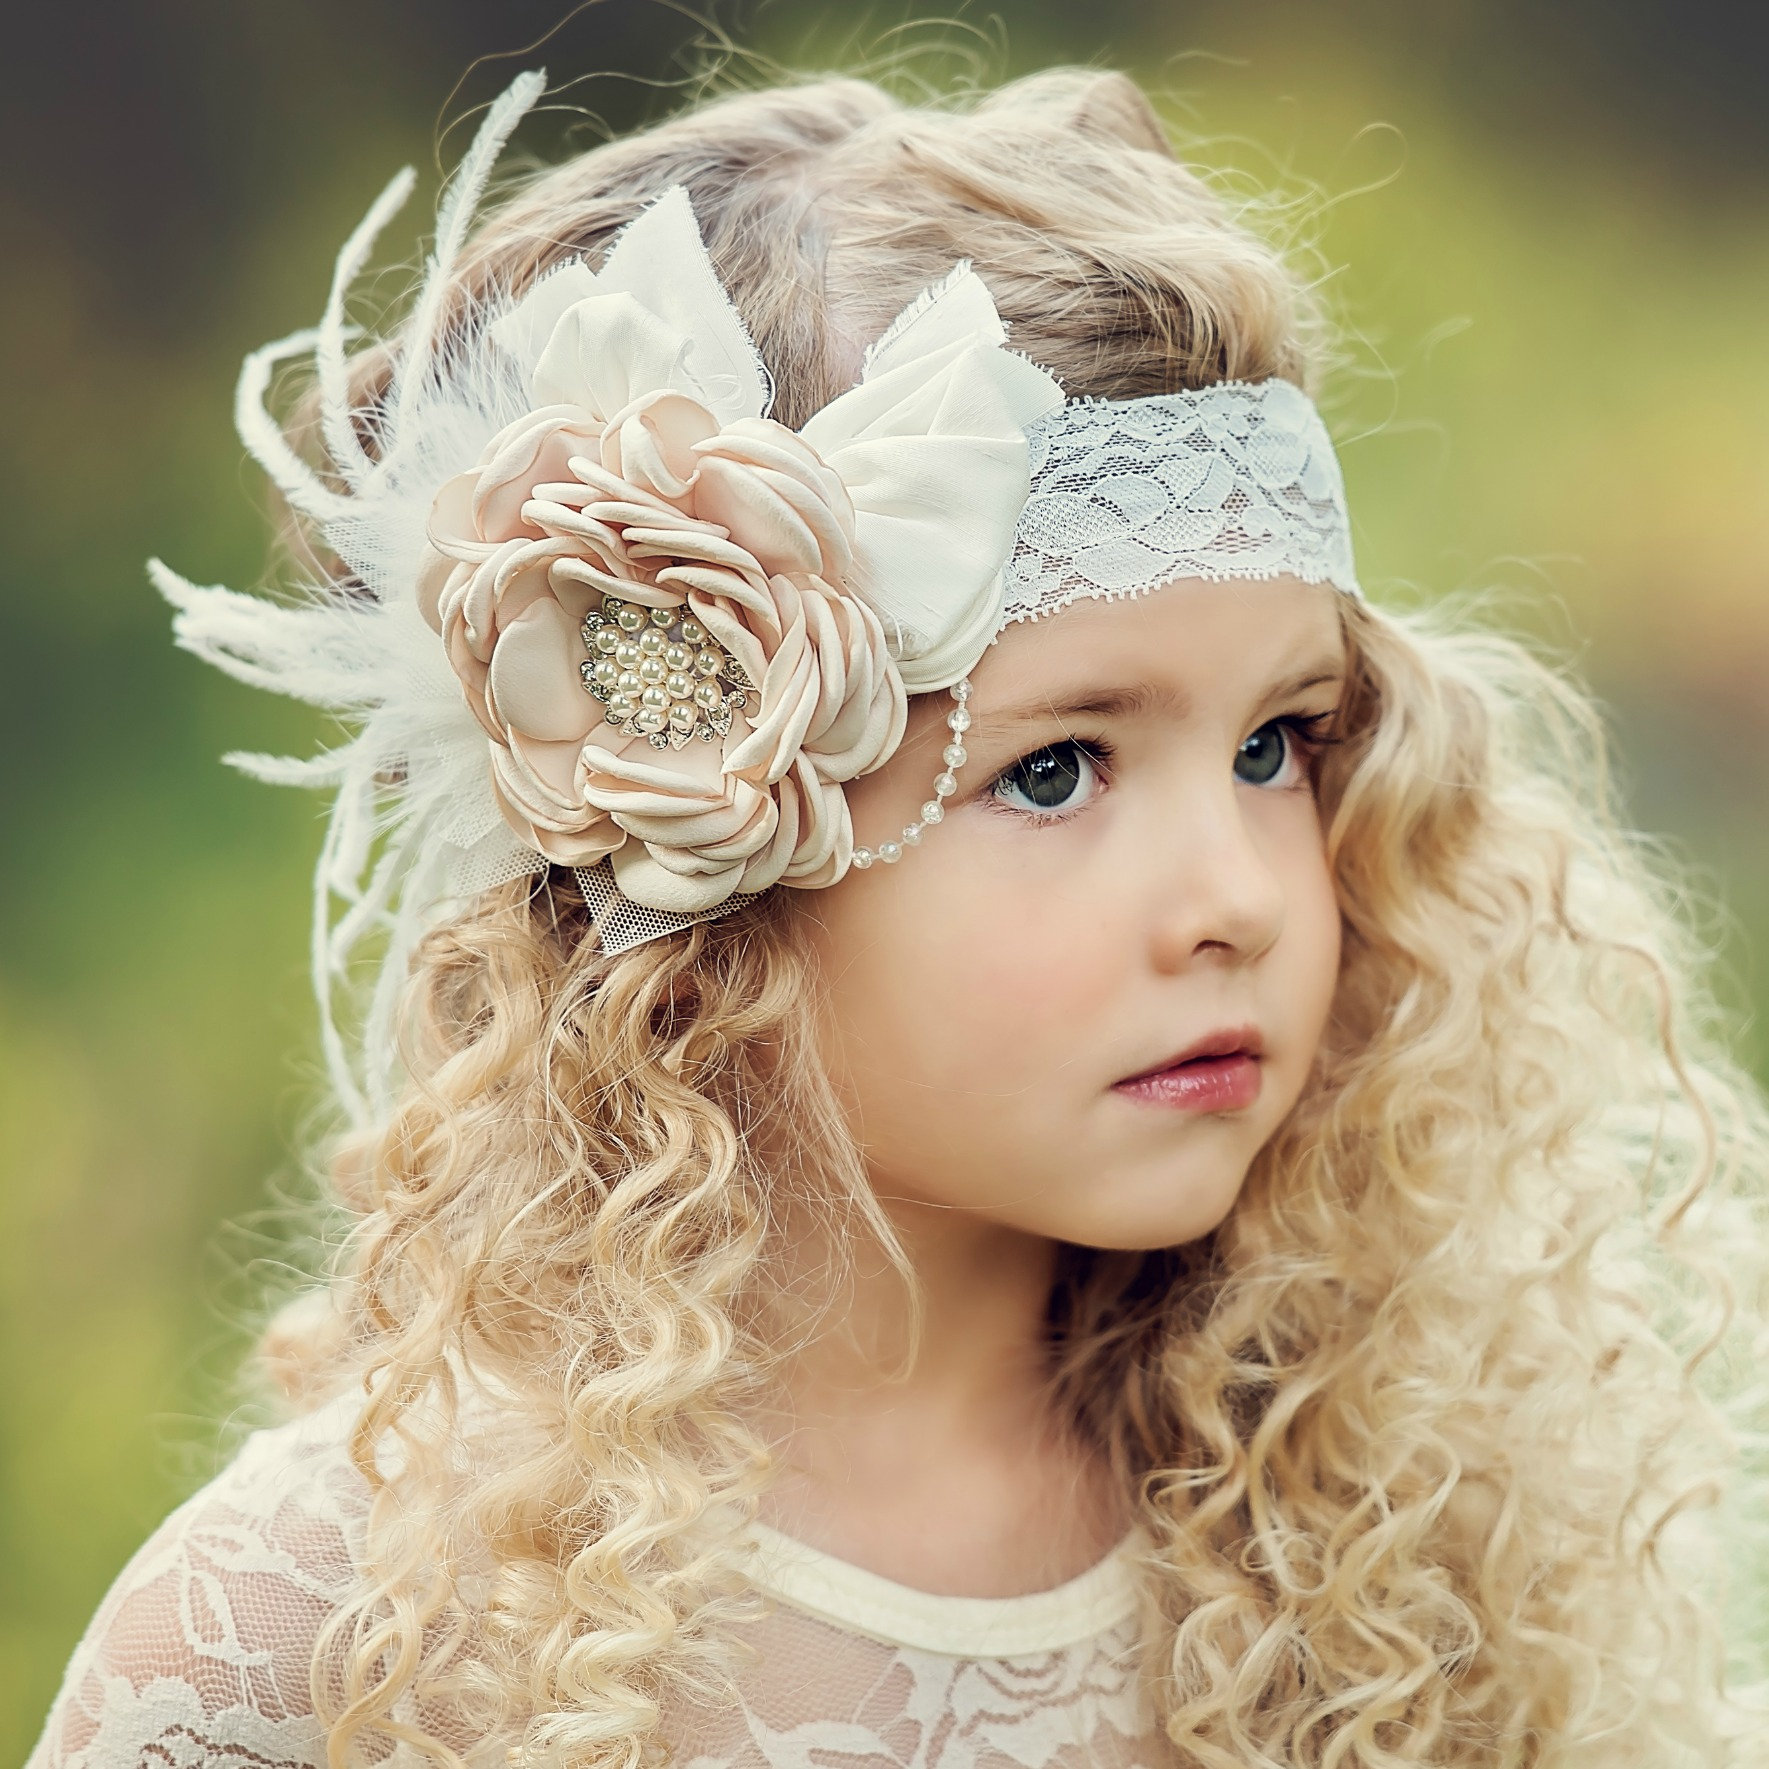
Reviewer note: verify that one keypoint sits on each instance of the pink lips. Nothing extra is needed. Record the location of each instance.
(1219, 1073)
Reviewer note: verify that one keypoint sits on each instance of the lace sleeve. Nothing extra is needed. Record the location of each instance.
(200, 1656)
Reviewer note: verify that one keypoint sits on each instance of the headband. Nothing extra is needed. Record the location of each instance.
(611, 615)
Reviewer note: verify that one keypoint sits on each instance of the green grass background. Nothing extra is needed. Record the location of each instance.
(1550, 228)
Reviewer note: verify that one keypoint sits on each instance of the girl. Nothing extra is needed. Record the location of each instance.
(999, 1126)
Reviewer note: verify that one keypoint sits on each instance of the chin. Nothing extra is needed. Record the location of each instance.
(1137, 1239)
(1146, 1225)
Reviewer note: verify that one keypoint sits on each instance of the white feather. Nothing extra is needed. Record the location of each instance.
(264, 438)
(313, 653)
(339, 1068)
(413, 812)
(452, 222)
(334, 388)
(325, 769)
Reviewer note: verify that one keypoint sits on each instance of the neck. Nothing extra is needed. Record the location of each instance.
(934, 1456)
(980, 1350)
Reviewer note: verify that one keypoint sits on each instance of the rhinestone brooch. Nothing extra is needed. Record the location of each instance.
(660, 674)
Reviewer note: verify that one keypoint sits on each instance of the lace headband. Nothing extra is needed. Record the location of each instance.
(615, 617)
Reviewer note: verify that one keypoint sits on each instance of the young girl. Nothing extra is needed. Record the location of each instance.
(1000, 1125)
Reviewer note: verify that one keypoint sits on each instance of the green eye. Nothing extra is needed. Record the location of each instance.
(1261, 758)
(1059, 777)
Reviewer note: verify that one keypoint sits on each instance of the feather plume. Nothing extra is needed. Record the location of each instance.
(412, 822)
(264, 438)
(452, 221)
(334, 390)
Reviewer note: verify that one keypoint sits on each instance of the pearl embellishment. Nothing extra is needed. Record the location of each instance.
(660, 674)
(954, 755)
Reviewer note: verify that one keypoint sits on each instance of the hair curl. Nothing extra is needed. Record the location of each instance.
(1419, 1430)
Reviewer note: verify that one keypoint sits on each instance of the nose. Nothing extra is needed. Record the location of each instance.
(1221, 896)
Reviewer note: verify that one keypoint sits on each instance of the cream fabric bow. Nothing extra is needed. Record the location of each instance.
(930, 445)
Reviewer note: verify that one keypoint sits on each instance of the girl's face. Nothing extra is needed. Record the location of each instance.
(1132, 869)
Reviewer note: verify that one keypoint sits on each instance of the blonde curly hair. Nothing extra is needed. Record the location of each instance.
(1419, 1431)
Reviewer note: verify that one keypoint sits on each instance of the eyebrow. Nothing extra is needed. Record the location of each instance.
(1144, 697)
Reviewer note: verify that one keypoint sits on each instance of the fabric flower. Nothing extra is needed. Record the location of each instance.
(742, 530)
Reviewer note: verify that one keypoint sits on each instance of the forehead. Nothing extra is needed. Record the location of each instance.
(1186, 636)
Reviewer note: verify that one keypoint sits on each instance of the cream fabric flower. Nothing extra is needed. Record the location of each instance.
(822, 575)
(744, 531)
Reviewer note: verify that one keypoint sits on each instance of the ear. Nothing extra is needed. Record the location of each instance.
(1105, 104)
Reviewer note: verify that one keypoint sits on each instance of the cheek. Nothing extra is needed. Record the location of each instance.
(953, 980)
(949, 996)
(1028, 965)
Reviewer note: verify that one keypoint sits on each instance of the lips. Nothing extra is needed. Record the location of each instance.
(1220, 1072)
(1226, 1042)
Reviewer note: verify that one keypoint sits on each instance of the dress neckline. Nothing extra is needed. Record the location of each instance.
(866, 1603)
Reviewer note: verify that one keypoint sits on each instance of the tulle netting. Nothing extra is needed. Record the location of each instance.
(622, 923)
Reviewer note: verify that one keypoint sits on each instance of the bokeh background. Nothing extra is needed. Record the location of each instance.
(1547, 228)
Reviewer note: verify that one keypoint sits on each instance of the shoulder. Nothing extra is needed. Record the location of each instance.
(201, 1654)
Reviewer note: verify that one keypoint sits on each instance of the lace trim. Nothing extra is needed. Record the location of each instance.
(865, 1603)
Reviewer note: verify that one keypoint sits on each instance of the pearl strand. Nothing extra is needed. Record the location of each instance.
(954, 755)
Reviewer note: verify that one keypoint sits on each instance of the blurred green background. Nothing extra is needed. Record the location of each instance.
(1553, 223)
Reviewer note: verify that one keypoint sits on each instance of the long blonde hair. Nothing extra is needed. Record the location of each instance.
(1417, 1431)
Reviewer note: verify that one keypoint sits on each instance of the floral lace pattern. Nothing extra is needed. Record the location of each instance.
(200, 1658)
(821, 1697)
(1235, 480)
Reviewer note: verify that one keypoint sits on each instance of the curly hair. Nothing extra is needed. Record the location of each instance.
(1423, 1431)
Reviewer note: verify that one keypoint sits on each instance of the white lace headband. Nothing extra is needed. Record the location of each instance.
(1235, 480)
(619, 619)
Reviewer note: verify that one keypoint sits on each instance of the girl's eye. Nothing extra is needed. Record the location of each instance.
(1262, 758)
(1059, 777)
(1279, 749)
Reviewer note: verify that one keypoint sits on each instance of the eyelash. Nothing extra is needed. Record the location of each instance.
(1311, 733)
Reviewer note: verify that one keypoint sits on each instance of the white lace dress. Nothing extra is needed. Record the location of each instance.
(199, 1657)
